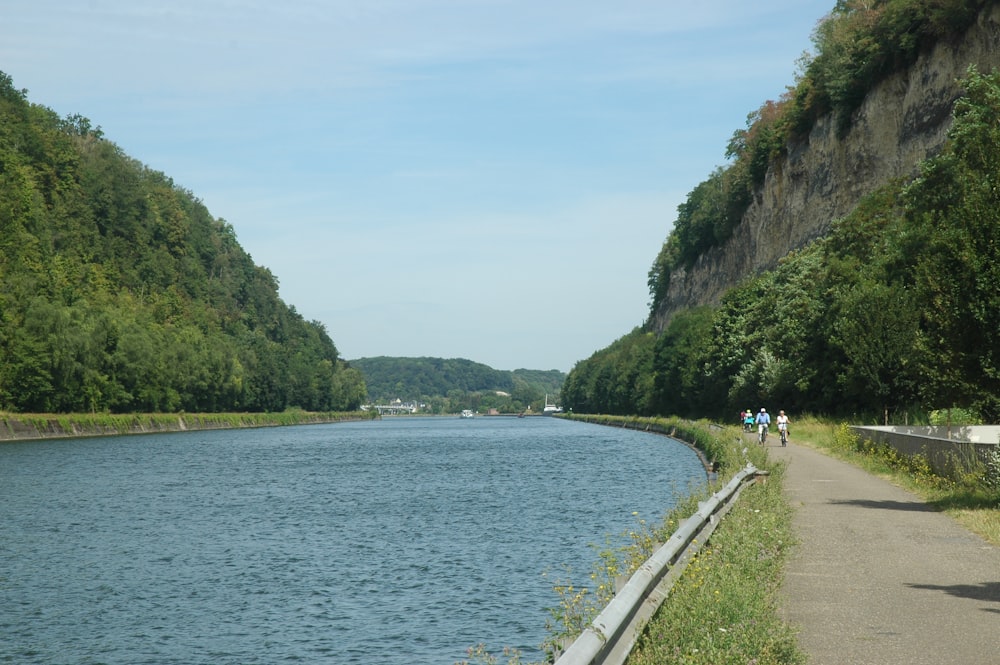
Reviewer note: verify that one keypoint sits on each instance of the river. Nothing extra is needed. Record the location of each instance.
(399, 541)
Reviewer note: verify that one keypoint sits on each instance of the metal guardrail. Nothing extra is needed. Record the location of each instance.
(612, 634)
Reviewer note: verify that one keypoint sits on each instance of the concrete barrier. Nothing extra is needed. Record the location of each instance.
(945, 448)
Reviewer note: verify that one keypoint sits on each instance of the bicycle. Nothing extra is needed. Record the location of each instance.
(762, 433)
(784, 435)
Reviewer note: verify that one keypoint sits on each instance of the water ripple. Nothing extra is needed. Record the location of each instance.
(400, 541)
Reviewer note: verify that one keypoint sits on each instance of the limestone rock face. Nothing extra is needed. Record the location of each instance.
(903, 121)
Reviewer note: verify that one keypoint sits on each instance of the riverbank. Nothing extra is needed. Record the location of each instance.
(713, 615)
(21, 426)
(702, 437)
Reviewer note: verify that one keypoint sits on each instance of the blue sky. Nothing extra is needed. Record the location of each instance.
(481, 179)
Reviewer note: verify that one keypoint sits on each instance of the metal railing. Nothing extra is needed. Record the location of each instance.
(612, 634)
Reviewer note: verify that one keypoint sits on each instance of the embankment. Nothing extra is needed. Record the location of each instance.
(18, 427)
(706, 439)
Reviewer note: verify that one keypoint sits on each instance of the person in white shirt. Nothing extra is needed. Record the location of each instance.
(782, 422)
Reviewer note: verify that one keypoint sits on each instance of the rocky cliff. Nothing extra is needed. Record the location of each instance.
(903, 121)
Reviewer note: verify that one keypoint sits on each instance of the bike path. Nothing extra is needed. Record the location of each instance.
(878, 577)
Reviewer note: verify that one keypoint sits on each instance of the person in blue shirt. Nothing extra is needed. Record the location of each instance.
(763, 421)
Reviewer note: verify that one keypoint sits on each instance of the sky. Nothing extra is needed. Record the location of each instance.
(479, 179)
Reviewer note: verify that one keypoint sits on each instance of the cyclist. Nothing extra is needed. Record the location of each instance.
(783, 422)
(763, 421)
(748, 421)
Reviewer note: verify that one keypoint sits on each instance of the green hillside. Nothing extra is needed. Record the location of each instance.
(120, 292)
(449, 385)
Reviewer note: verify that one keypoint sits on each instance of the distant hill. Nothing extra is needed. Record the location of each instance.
(433, 380)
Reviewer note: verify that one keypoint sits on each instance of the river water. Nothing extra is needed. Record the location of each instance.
(401, 541)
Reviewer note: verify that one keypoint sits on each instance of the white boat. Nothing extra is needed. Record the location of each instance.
(550, 408)
(467, 413)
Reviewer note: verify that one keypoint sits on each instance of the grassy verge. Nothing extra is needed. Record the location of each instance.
(724, 608)
(722, 446)
(973, 504)
(22, 426)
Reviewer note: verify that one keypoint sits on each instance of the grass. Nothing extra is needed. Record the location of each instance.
(724, 611)
(28, 426)
(724, 608)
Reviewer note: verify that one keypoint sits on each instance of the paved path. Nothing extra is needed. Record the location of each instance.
(878, 577)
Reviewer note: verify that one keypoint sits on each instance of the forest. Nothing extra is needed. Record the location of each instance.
(119, 292)
(894, 313)
(452, 384)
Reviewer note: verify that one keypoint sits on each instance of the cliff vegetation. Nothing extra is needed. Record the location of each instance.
(860, 44)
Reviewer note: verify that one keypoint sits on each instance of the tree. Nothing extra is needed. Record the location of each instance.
(956, 208)
(876, 330)
(347, 389)
(679, 377)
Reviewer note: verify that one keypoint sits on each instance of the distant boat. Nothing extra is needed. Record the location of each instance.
(550, 408)
(467, 413)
